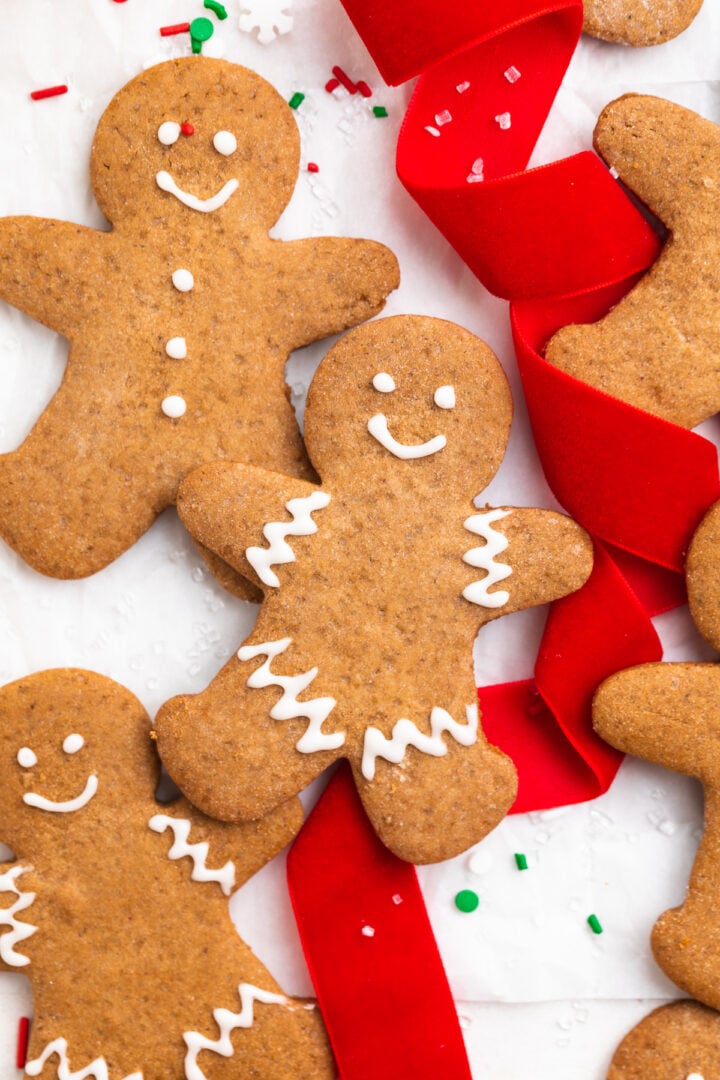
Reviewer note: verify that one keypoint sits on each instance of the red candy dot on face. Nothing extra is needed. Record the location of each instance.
(187, 129)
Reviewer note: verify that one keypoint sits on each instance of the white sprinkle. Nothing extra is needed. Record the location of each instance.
(176, 348)
(397, 899)
(183, 280)
(614, 173)
(432, 131)
(443, 117)
(464, 1021)
(504, 121)
(383, 382)
(174, 406)
(476, 174)
(667, 828)
(368, 931)
(462, 87)
(512, 74)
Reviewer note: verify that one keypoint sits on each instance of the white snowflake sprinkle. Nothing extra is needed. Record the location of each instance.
(269, 17)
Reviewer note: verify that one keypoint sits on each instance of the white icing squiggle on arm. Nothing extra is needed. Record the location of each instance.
(19, 931)
(227, 1022)
(279, 552)
(288, 707)
(484, 559)
(97, 1069)
(225, 875)
(405, 734)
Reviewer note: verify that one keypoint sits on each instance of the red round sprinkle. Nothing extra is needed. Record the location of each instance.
(312, 167)
(187, 129)
(49, 91)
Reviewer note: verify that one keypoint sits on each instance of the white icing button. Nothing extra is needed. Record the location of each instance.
(176, 348)
(445, 397)
(168, 133)
(174, 406)
(73, 743)
(183, 280)
(694, 1076)
(26, 757)
(225, 142)
(384, 382)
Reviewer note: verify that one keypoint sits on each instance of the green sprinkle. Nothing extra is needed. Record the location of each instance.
(521, 861)
(296, 99)
(219, 10)
(594, 924)
(196, 45)
(379, 111)
(467, 900)
(201, 30)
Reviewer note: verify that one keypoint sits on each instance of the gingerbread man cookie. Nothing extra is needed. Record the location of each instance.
(702, 573)
(180, 319)
(639, 22)
(375, 583)
(659, 348)
(116, 906)
(680, 1041)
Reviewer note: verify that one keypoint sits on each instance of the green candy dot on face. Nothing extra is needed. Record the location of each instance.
(201, 29)
(467, 900)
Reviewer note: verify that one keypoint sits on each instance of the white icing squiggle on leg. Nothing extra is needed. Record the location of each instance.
(97, 1069)
(224, 875)
(484, 559)
(288, 707)
(20, 931)
(227, 1022)
(279, 552)
(405, 734)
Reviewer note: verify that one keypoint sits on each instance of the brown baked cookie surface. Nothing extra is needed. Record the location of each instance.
(639, 22)
(180, 319)
(375, 584)
(680, 1041)
(702, 572)
(670, 714)
(117, 907)
(659, 348)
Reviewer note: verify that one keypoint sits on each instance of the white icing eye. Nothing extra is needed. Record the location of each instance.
(26, 757)
(225, 142)
(169, 133)
(73, 743)
(445, 397)
(384, 382)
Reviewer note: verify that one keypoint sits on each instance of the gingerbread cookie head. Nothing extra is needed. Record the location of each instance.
(639, 22)
(680, 1041)
(436, 407)
(201, 135)
(116, 907)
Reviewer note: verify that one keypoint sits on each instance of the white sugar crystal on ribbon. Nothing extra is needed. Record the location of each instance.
(269, 17)
(462, 87)
(613, 172)
(504, 121)
(512, 74)
(477, 171)
(443, 117)
(368, 931)
(432, 131)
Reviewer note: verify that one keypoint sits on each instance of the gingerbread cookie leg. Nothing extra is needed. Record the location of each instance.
(675, 1042)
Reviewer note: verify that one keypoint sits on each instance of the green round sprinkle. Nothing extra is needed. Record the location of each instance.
(594, 924)
(379, 111)
(219, 10)
(521, 861)
(296, 99)
(467, 900)
(201, 29)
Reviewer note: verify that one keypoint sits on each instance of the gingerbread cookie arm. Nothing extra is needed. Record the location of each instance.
(523, 557)
(255, 520)
(235, 851)
(49, 269)
(333, 284)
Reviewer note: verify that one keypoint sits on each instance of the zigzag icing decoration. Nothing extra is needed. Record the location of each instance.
(227, 1022)
(484, 559)
(97, 1069)
(405, 734)
(20, 931)
(288, 707)
(279, 551)
(224, 875)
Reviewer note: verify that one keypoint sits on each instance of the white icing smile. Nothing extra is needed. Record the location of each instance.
(378, 428)
(166, 183)
(41, 803)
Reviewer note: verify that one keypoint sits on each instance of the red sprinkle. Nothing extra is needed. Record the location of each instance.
(187, 129)
(22, 1041)
(312, 167)
(49, 91)
(364, 89)
(178, 28)
(331, 84)
(344, 79)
